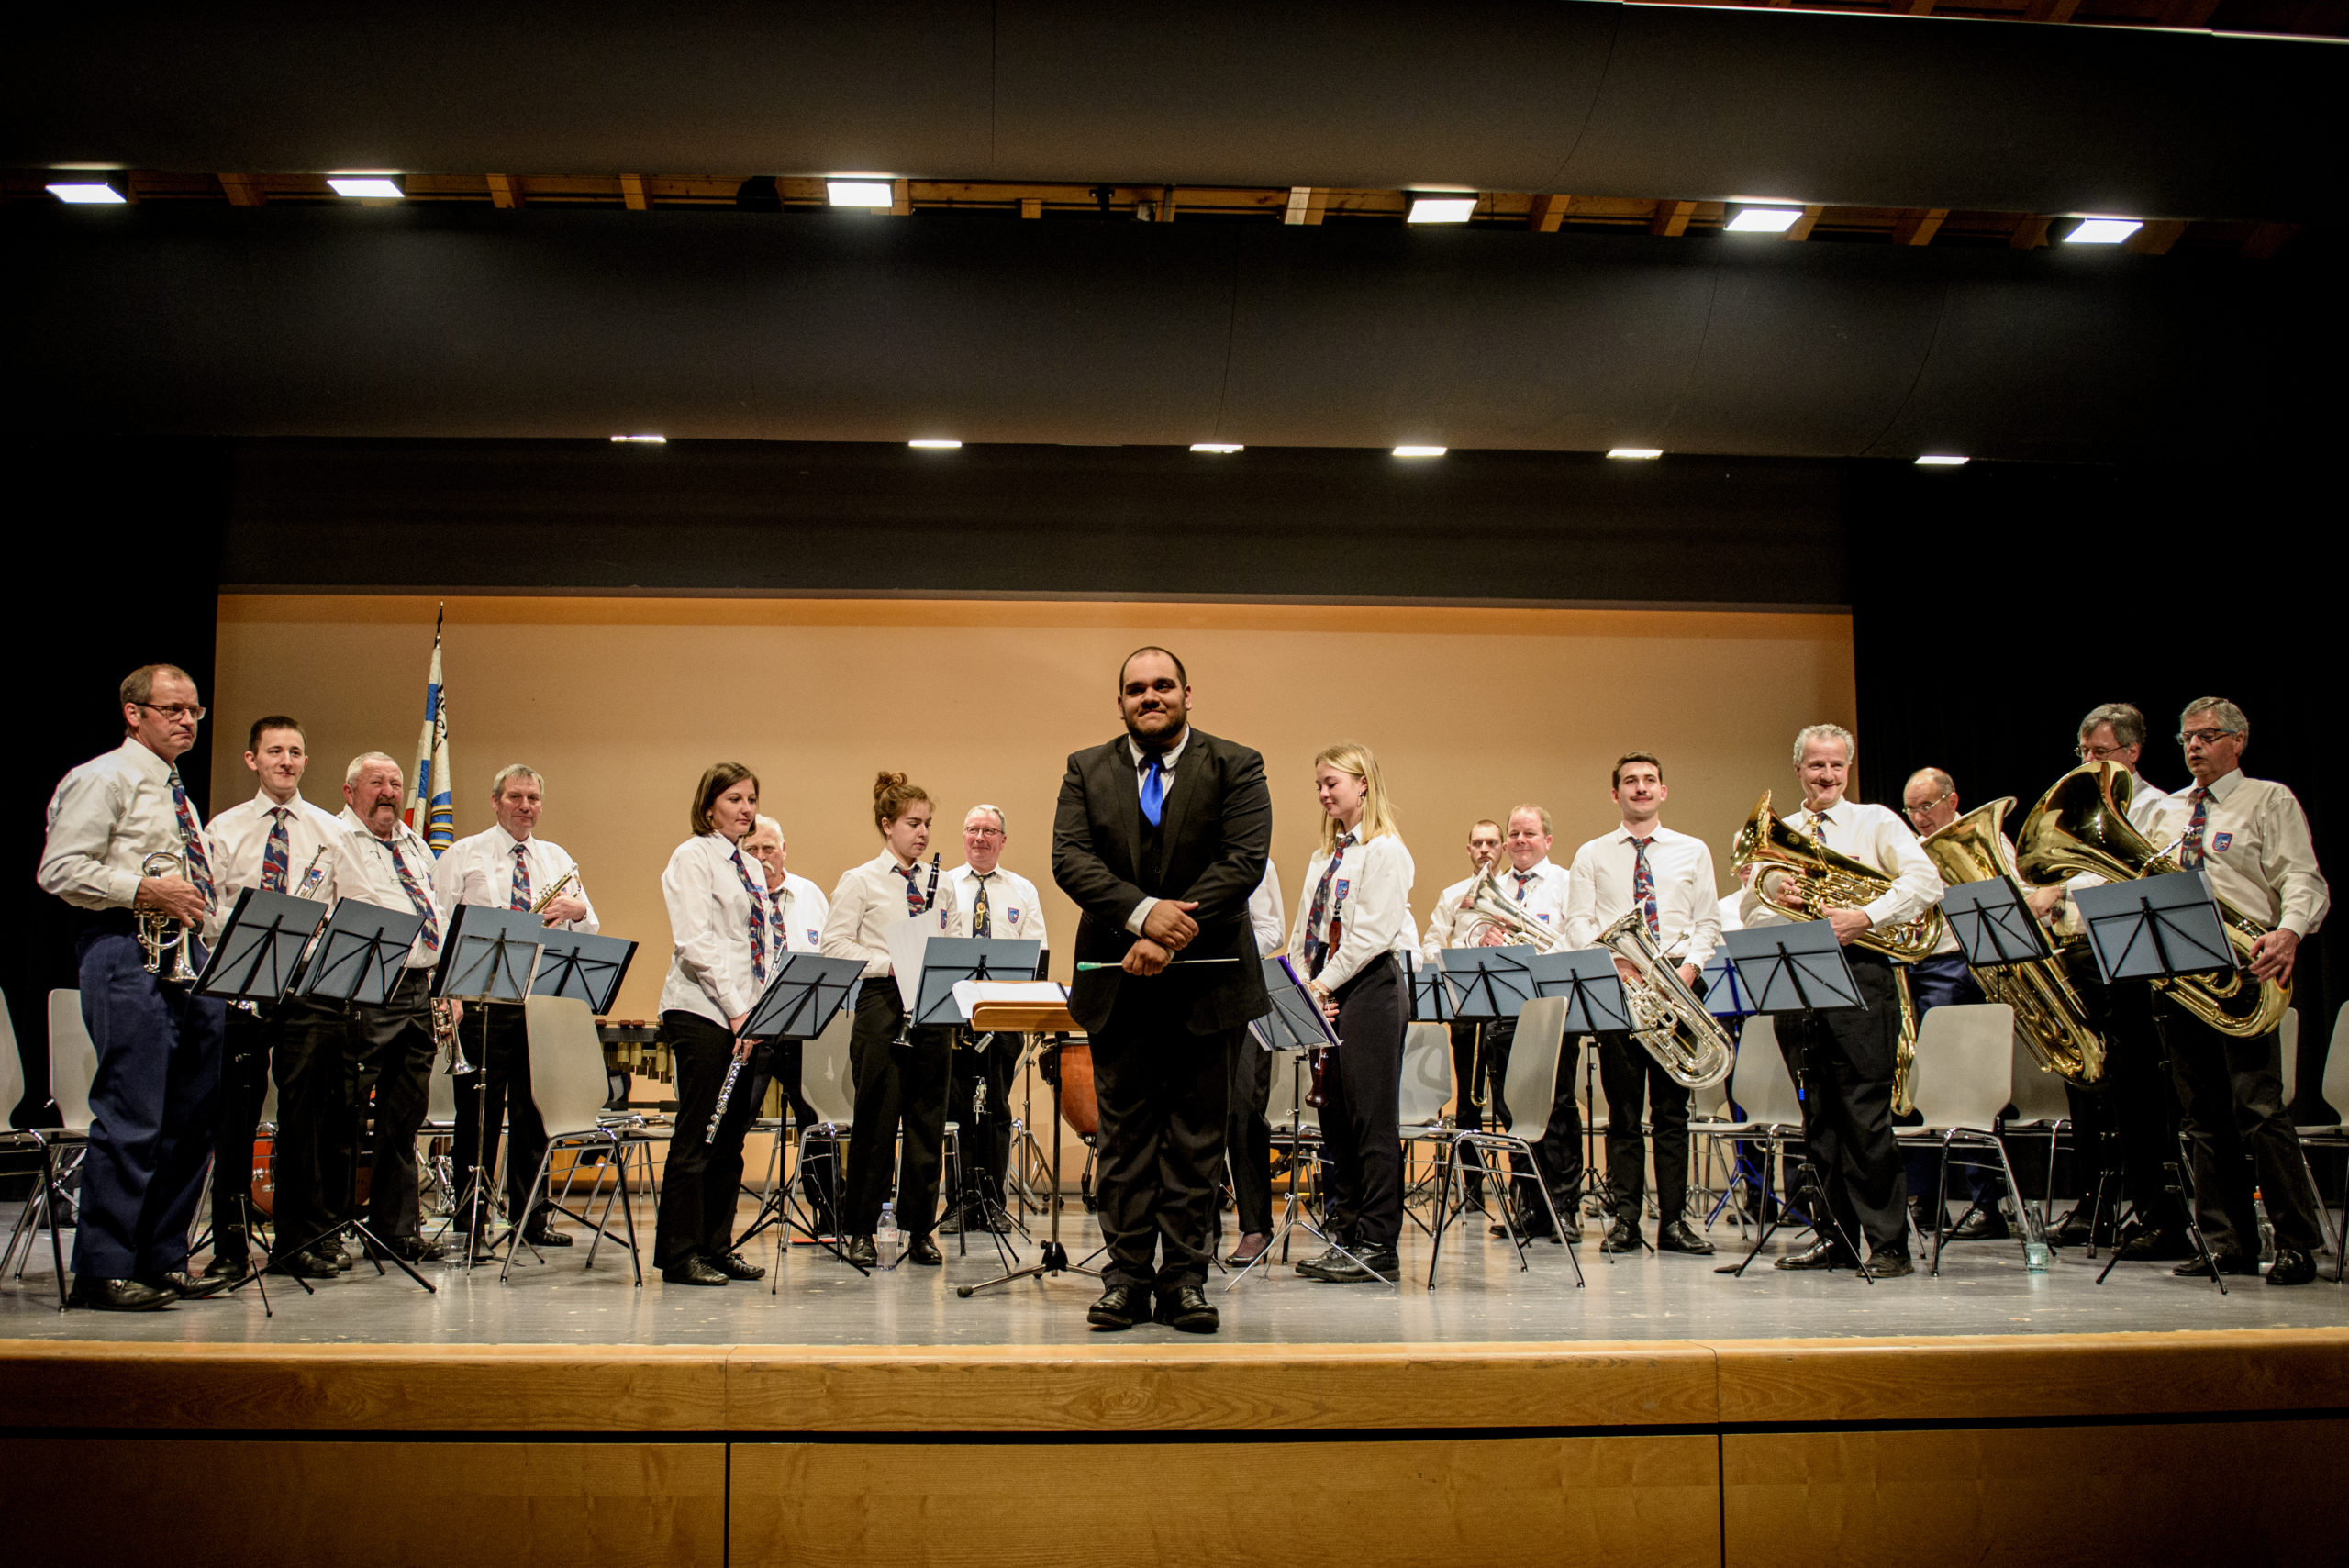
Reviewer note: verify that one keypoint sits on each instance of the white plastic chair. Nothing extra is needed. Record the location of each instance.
(1425, 1090)
(1531, 1083)
(569, 1087)
(44, 1199)
(72, 1062)
(2334, 1134)
(2040, 1105)
(1962, 1081)
(1760, 1085)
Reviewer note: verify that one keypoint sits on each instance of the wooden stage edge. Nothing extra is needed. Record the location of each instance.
(2104, 1448)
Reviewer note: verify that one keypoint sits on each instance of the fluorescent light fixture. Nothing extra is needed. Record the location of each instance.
(1943, 460)
(1763, 219)
(645, 441)
(1216, 447)
(1441, 209)
(2102, 231)
(1420, 451)
(87, 192)
(378, 186)
(936, 443)
(1635, 451)
(860, 193)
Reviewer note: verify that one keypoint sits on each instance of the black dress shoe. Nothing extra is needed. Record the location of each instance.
(1120, 1306)
(2291, 1266)
(188, 1286)
(1623, 1236)
(1369, 1264)
(2073, 1231)
(1331, 1257)
(2229, 1264)
(1185, 1309)
(860, 1251)
(2157, 1247)
(953, 1224)
(230, 1266)
(923, 1249)
(1890, 1265)
(1681, 1236)
(693, 1271)
(1251, 1246)
(116, 1294)
(410, 1250)
(304, 1265)
(1531, 1224)
(1982, 1225)
(733, 1265)
(1819, 1255)
(543, 1234)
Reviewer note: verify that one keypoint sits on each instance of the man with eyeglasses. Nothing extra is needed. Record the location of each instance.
(154, 1099)
(989, 901)
(2250, 838)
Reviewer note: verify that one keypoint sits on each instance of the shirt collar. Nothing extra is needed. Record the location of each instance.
(2225, 785)
(145, 761)
(503, 839)
(1657, 835)
(401, 832)
(1532, 874)
(1836, 813)
(1165, 758)
(262, 804)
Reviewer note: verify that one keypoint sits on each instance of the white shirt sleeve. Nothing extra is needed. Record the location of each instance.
(1916, 885)
(82, 816)
(705, 951)
(844, 926)
(1264, 913)
(2290, 864)
(1579, 922)
(1705, 934)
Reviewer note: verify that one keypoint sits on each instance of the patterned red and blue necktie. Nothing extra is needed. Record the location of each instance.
(199, 868)
(2190, 848)
(521, 897)
(418, 896)
(276, 854)
(1643, 887)
(758, 920)
(914, 906)
(1325, 927)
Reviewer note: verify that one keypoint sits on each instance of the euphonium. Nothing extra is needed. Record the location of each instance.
(1491, 908)
(1668, 1019)
(2053, 1021)
(2082, 825)
(1826, 880)
(159, 933)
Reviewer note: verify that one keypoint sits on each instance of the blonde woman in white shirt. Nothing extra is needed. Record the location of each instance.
(724, 932)
(1354, 920)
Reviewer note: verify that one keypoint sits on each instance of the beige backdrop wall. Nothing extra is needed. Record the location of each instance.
(620, 703)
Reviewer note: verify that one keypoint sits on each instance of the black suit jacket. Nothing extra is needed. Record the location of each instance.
(1216, 831)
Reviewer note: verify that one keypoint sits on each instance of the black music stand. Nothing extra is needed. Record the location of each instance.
(1801, 969)
(491, 958)
(1587, 978)
(2159, 927)
(1993, 923)
(945, 961)
(356, 962)
(799, 1003)
(1725, 996)
(1430, 1000)
(256, 959)
(1487, 983)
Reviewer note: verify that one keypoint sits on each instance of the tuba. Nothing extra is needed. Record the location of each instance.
(159, 934)
(2082, 825)
(1668, 1019)
(1827, 880)
(2053, 1021)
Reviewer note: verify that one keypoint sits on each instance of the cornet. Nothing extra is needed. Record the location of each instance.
(159, 933)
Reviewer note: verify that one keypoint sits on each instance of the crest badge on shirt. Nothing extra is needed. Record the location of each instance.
(1012, 918)
(814, 939)
(2220, 842)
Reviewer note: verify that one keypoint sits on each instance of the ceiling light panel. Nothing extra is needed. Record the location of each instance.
(1763, 219)
(1442, 209)
(2102, 231)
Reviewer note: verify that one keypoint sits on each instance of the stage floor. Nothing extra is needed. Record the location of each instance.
(1480, 1297)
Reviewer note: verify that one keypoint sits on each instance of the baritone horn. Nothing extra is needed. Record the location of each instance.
(2053, 1019)
(1668, 1018)
(159, 933)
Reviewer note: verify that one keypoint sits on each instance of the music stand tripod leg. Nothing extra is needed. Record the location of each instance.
(1055, 1259)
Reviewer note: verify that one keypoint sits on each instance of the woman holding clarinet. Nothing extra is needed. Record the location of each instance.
(725, 951)
(1353, 916)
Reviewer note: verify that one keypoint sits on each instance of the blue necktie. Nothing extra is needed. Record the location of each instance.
(1153, 794)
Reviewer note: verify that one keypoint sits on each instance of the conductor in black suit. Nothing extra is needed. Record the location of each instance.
(1160, 838)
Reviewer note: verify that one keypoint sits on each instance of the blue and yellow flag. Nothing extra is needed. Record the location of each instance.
(431, 811)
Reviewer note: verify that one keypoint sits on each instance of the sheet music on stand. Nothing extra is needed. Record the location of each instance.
(803, 997)
(489, 955)
(359, 955)
(1797, 968)
(946, 960)
(259, 954)
(1587, 977)
(1430, 1000)
(1486, 983)
(1296, 1021)
(1993, 923)
(2156, 927)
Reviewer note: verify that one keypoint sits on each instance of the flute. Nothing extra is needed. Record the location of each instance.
(725, 1093)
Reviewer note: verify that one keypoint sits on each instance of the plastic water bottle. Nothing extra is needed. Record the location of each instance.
(2267, 1229)
(888, 1242)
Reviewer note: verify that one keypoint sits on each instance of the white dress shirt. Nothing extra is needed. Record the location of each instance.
(480, 871)
(1142, 760)
(2258, 852)
(1874, 836)
(1265, 921)
(1687, 904)
(1014, 911)
(711, 970)
(1370, 902)
(1449, 926)
(1733, 917)
(800, 909)
(369, 872)
(238, 838)
(870, 899)
(106, 817)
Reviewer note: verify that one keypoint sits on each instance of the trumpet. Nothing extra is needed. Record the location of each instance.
(159, 933)
(446, 1040)
(567, 880)
(1668, 1019)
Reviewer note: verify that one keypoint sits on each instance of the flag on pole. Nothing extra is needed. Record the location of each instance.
(431, 811)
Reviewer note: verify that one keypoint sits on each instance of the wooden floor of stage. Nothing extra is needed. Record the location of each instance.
(1662, 1414)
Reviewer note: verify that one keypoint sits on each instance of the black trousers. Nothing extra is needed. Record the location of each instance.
(1248, 1137)
(1557, 1153)
(152, 1111)
(1164, 1095)
(310, 1161)
(1842, 1062)
(2138, 1101)
(393, 1049)
(246, 1040)
(819, 1173)
(986, 1138)
(702, 1180)
(1361, 1084)
(2231, 1105)
(896, 1087)
(1467, 1110)
(1631, 1077)
(504, 1060)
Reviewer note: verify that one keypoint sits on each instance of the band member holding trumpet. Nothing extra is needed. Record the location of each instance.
(2250, 838)
(124, 849)
(900, 1072)
(1450, 925)
(507, 866)
(277, 843)
(1843, 1060)
(1353, 922)
(1667, 878)
(722, 930)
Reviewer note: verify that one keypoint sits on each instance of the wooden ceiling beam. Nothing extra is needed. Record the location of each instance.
(504, 191)
(2157, 236)
(242, 190)
(2031, 233)
(632, 192)
(1031, 206)
(1306, 203)
(1671, 220)
(901, 198)
(2050, 10)
(1800, 228)
(1918, 226)
(2266, 238)
(1546, 213)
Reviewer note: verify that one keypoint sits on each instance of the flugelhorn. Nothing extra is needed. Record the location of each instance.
(1824, 879)
(159, 932)
(1668, 1018)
